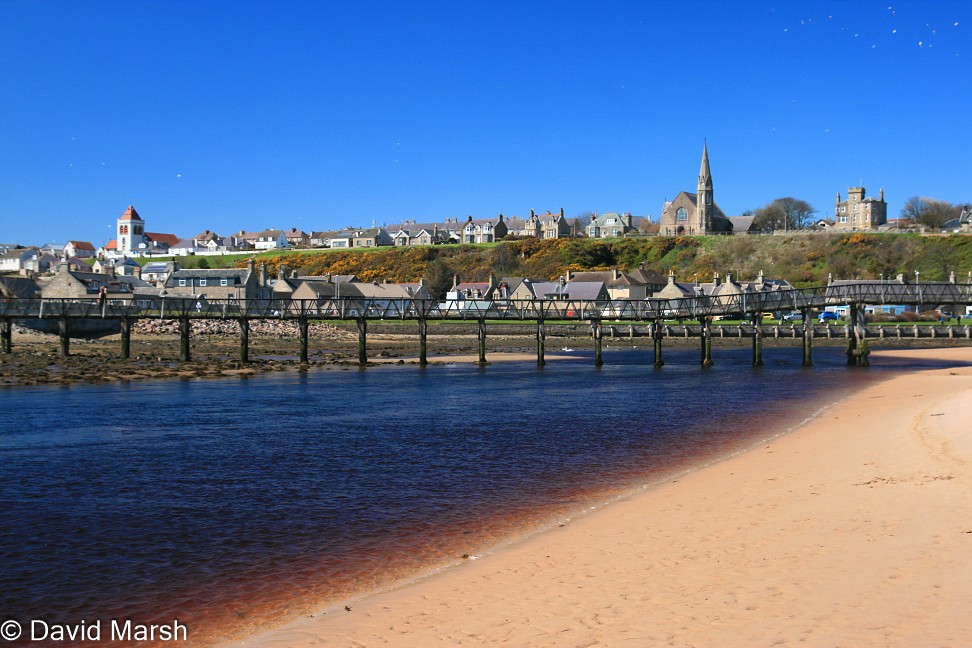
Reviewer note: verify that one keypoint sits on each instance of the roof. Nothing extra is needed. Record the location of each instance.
(112, 245)
(130, 214)
(155, 267)
(89, 277)
(19, 287)
(584, 290)
(741, 223)
(210, 272)
(168, 239)
(81, 245)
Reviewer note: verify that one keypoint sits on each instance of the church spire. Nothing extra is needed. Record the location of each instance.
(704, 196)
(705, 178)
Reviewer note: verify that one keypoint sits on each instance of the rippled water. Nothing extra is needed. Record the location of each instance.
(228, 504)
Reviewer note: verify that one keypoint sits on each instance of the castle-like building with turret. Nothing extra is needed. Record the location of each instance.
(695, 213)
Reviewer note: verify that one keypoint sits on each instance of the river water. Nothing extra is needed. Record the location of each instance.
(232, 504)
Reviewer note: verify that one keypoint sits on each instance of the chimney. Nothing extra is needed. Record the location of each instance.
(728, 278)
(531, 213)
(385, 281)
(293, 274)
(492, 280)
(469, 219)
(263, 274)
(562, 282)
(570, 275)
(138, 272)
(951, 277)
(423, 282)
(501, 218)
(616, 273)
(830, 278)
(759, 278)
(455, 281)
(561, 212)
(901, 278)
(671, 277)
(716, 281)
(249, 265)
(111, 271)
(882, 196)
(281, 271)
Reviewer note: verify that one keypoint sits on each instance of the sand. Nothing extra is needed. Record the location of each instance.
(855, 530)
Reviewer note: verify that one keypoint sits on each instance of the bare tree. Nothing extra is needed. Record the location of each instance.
(784, 213)
(930, 212)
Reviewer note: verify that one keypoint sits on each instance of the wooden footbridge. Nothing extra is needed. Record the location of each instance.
(654, 311)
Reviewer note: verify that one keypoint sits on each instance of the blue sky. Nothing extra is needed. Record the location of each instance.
(318, 115)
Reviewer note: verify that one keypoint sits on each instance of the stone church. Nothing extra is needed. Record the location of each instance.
(695, 213)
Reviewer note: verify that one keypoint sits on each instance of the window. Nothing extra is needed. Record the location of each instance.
(708, 199)
(182, 282)
(224, 281)
(681, 214)
(612, 221)
(202, 282)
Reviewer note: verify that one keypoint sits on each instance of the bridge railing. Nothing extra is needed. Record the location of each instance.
(171, 307)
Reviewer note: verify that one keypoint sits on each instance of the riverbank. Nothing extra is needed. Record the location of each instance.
(853, 530)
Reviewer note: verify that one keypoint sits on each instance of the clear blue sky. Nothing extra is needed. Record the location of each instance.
(318, 115)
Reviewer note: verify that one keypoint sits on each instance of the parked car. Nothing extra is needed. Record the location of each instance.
(792, 317)
(827, 316)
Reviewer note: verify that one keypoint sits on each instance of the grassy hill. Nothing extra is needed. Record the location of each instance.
(804, 260)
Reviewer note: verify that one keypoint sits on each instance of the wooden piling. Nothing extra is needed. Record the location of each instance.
(656, 334)
(757, 339)
(423, 340)
(541, 340)
(64, 327)
(244, 339)
(706, 333)
(185, 355)
(6, 335)
(126, 337)
(482, 341)
(362, 341)
(303, 325)
(807, 337)
(596, 329)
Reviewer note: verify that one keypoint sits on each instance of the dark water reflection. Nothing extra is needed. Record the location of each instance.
(227, 503)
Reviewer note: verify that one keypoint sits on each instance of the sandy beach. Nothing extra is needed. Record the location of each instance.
(854, 530)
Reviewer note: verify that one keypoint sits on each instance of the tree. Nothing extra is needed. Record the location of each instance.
(785, 214)
(203, 263)
(581, 221)
(928, 212)
(438, 276)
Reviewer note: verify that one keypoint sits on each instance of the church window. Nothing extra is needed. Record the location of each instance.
(708, 199)
(681, 214)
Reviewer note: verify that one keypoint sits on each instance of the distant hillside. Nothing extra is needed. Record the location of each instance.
(804, 260)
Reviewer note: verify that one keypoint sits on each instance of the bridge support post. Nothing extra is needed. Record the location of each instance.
(757, 339)
(303, 325)
(860, 332)
(185, 355)
(244, 339)
(596, 328)
(126, 338)
(423, 340)
(656, 335)
(541, 340)
(64, 326)
(6, 335)
(362, 341)
(807, 337)
(482, 341)
(706, 334)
